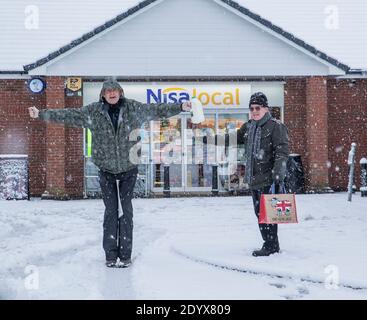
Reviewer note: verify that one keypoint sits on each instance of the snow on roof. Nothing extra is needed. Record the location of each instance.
(60, 21)
(336, 29)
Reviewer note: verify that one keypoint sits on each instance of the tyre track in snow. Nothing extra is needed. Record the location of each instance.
(263, 273)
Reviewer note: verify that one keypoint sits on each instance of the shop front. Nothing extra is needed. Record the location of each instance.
(187, 149)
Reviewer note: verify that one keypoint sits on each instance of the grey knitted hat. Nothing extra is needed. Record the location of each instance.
(111, 84)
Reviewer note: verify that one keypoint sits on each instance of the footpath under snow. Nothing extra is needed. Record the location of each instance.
(184, 248)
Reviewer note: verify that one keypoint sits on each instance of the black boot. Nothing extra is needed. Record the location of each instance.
(266, 250)
(111, 263)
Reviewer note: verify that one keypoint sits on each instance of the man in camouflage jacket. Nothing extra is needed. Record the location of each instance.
(112, 120)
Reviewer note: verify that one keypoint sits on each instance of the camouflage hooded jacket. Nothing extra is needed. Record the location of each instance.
(110, 149)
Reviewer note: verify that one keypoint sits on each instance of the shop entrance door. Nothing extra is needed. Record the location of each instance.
(199, 154)
(167, 150)
(181, 143)
(191, 157)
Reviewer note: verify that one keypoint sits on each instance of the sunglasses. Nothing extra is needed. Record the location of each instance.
(257, 108)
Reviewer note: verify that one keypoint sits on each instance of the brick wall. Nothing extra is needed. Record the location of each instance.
(347, 111)
(55, 140)
(74, 171)
(346, 118)
(295, 118)
(64, 147)
(21, 135)
(295, 113)
(346, 122)
(305, 114)
(18, 133)
(317, 132)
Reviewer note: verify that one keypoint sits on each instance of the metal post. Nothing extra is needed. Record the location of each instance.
(166, 186)
(215, 180)
(351, 158)
(28, 179)
(146, 179)
(363, 188)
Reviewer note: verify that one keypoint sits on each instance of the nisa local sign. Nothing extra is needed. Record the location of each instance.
(210, 96)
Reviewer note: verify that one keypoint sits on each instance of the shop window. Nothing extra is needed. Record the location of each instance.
(231, 178)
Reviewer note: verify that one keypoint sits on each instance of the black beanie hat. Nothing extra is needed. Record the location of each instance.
(259, 98)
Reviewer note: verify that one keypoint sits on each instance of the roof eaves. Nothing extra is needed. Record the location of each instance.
(12, 72)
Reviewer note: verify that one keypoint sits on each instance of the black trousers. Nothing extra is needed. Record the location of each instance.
(118, 232)
(269, 232)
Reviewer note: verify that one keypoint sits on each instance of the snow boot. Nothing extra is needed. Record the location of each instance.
(266, 251)
(124, 263)
(111, 263)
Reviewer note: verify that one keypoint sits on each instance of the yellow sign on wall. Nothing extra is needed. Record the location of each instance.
(74, 84)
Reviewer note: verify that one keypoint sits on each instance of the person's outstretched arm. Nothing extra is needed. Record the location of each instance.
(74, 117)
(239, 135)
(154, 111)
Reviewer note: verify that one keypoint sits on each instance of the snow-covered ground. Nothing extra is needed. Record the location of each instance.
(184, 248)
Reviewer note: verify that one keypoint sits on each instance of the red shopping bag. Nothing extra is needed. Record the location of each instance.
(278, 208)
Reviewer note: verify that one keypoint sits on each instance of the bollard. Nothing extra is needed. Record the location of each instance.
(215, 190)
(351, 157)
(363, 188)
(166, 185)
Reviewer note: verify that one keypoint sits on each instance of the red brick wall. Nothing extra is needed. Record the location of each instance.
(305, 114)
(347, 110)
(18, 133)
(317, 132)
(65, 173)
(294, 113)
(55, 140)
(295, 118)
(74, 171)
(37, 155)
(21, 135)
(347, 123)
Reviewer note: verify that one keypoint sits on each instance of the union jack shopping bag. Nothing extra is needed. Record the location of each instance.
(278, 208)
